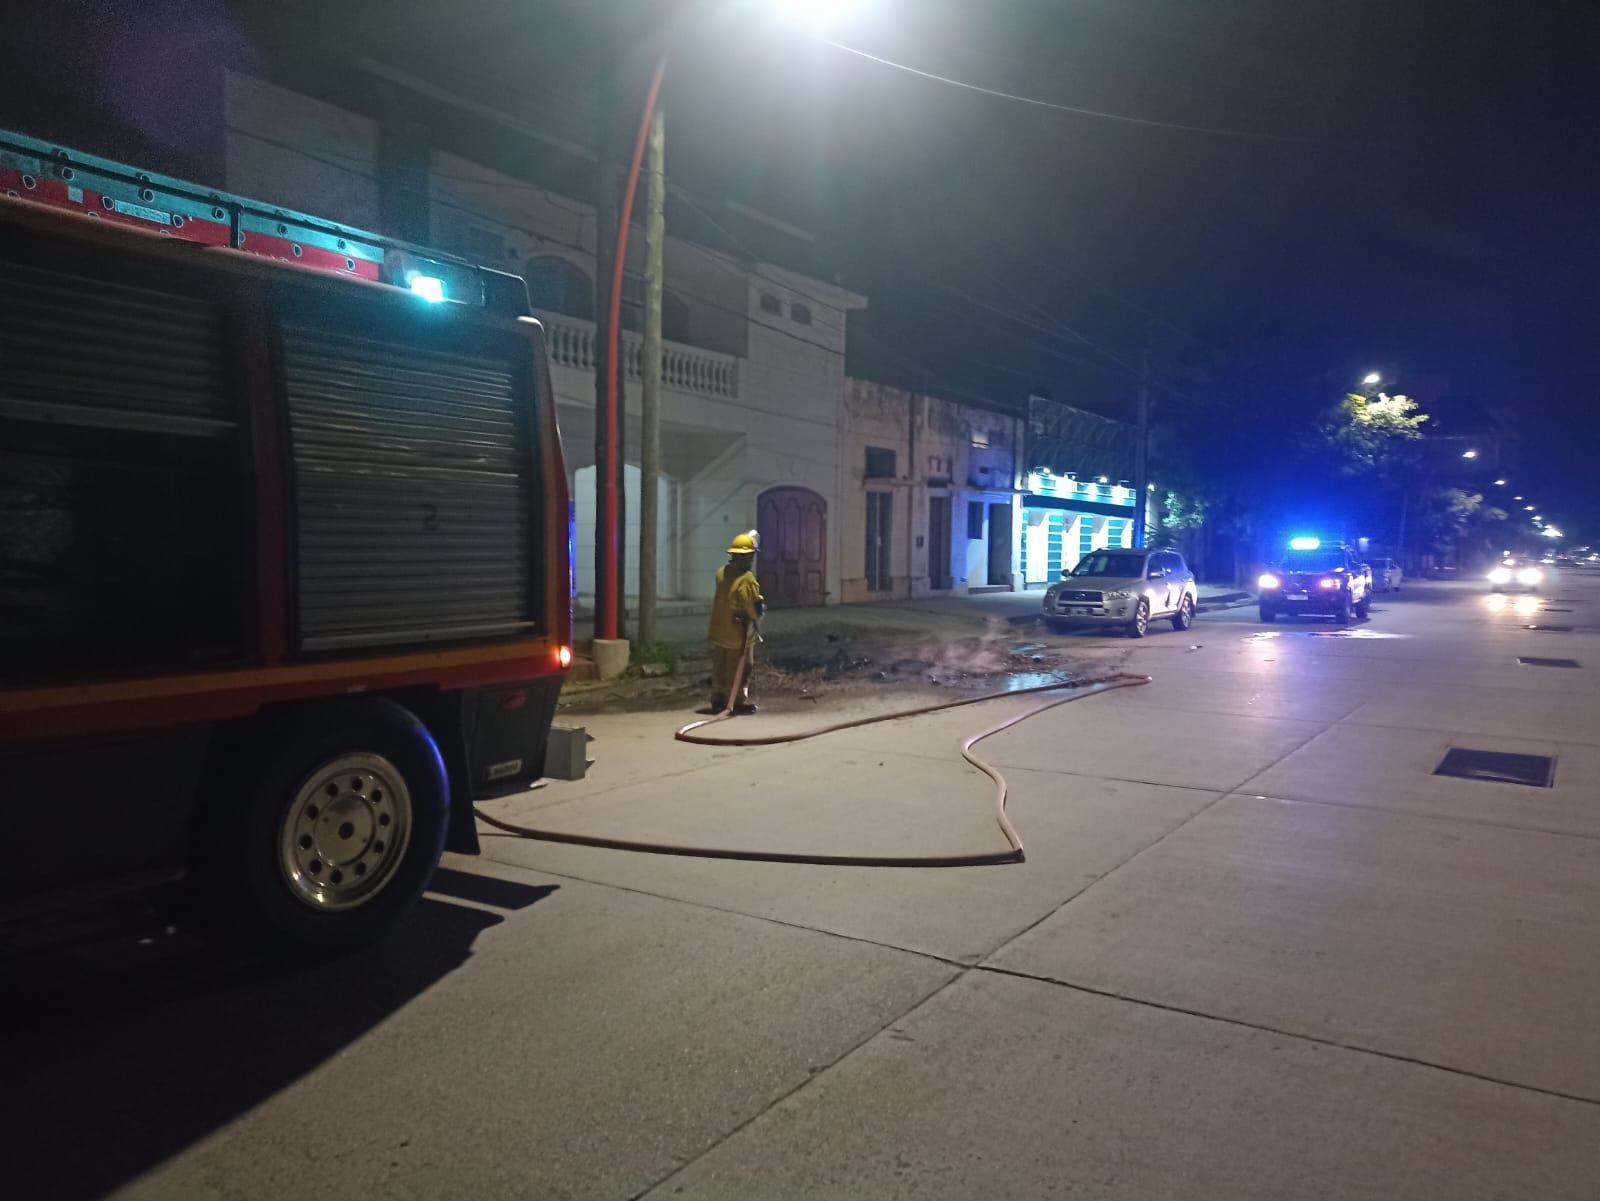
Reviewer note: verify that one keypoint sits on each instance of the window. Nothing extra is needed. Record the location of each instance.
(558, 286)
(799, 313)
(1100, 565)
(880, 463)
(974, 519)
(478, 244)
(880, 524)
(1320, 559)
(632, 308)
(769, 304)
(675, 323)
(980, 438)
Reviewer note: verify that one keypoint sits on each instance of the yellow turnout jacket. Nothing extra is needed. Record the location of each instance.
(735, 599)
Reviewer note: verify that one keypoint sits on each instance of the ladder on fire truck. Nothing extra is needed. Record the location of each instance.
(99, 189)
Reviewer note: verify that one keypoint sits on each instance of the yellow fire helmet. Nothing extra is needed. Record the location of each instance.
(745, 544)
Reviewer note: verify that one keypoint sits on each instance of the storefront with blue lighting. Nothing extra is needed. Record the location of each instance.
(1076, 490)
(1064, 518)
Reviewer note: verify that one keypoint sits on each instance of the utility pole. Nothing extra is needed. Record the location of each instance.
(1141, 451)
(650, 413)
(606, 467)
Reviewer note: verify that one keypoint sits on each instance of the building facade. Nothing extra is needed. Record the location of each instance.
(1077, 493)
(753, 358)
(929, 490)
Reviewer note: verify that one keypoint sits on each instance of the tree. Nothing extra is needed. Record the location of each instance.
(1369, 434)
(1259, 452)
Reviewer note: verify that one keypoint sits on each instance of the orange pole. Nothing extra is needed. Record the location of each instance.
(610, 603)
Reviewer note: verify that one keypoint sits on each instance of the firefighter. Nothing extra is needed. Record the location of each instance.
(735, 609)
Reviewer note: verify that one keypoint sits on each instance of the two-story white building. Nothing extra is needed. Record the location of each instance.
(753, 372)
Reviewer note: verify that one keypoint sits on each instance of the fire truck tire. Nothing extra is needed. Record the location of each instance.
(323, 830)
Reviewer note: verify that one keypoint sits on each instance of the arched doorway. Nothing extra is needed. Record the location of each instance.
(794, 547)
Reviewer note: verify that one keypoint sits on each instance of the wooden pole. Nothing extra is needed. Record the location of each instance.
(650, 442)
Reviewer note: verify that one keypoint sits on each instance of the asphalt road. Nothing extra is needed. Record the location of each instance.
(1257, 950)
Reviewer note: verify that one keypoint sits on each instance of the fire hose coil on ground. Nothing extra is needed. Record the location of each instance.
(692, 733)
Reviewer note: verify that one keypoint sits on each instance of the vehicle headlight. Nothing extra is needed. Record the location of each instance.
(1268, 581)
(1120, 594)
(1327, 583)
(1500, 575)
(1529, 575)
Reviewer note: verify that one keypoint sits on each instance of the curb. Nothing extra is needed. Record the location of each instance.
(1226, 600)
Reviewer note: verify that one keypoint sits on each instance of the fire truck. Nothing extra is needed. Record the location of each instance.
(283, 555)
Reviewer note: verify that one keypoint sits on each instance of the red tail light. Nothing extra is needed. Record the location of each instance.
(564, 656)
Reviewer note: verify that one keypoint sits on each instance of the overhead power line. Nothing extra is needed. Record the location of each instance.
(1097, 114)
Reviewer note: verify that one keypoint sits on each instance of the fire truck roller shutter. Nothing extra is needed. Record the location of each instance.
(415, 483)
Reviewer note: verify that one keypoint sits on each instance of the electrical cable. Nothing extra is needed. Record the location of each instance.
(689, 733)
(1034, 101)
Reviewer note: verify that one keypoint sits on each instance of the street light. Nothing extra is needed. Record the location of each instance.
(1373, 379)
(1469, 454)
(819, 14)
(1529, 508)
(609, 600)
(1550, 531)
(1499, 483)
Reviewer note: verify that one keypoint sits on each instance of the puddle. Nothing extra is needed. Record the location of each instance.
(1353, 634)
(1033, 679)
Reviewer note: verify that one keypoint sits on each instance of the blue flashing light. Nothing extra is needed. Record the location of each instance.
(1304, 543)
(429, 287)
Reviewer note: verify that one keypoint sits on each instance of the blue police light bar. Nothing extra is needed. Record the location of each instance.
(1304, 543)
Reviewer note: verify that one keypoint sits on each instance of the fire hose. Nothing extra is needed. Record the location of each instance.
(690, 733)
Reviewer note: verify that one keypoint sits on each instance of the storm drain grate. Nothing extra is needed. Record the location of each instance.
(1536, 771)
(1535, 661)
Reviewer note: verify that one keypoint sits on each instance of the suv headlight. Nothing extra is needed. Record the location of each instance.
(1500, 575)
(1120, 594)
(1529, 576)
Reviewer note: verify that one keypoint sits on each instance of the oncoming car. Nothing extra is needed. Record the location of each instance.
(1316, 578)
(1515, 575)
(1124, 589)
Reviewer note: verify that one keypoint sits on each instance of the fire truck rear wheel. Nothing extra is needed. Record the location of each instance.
(324, 829)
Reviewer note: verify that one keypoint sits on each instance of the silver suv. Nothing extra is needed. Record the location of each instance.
(1126, 589)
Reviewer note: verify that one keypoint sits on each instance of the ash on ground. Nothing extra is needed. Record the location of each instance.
(840, 660)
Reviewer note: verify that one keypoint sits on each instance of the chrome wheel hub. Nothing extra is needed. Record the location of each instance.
(345, 832)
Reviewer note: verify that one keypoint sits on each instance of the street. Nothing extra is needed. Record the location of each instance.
(1257, 950)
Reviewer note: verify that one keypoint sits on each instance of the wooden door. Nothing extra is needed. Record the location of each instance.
(793, 566)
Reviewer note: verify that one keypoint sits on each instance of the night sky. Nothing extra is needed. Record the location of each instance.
(1413, 183)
